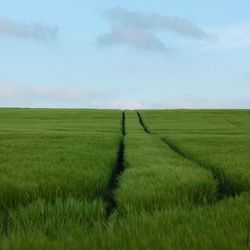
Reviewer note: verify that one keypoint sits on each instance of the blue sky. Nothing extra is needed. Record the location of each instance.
(125, 54)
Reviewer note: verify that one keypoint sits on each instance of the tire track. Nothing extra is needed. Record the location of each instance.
(118, 170)
(224, 187)
(107, 196)
(142, 123)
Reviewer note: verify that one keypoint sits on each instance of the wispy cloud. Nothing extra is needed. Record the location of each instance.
(232, 37)
(139, 39)
(138, 29)
(152, 21)
(25, 95)
(19, 29)
(196, 102)
(16, 95)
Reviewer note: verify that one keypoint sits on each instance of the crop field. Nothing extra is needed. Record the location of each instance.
(112, 179)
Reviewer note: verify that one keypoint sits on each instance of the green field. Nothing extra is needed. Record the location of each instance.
(112, 179)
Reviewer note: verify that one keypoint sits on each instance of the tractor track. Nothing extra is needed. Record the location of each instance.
(118, 170)
(224, 188)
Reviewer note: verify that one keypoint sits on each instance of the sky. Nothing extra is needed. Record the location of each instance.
(125, 54)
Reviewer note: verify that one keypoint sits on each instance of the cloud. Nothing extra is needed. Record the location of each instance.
(138, 29)
(137, 38)
(182, 102)
(124, 105)
(235, 36)
(27, 31)
(24, 95)
(153, 21)
(195, 102)
(16, 95)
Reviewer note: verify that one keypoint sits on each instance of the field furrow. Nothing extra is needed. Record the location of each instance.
(110, 179)
(218, 145)
(226, 156)
(44, 164)
(117, 171)
(155, 177)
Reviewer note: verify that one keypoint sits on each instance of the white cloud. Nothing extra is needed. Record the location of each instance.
(195, 102)
(16, 95)
(12, 94)
(74, 96)
(124, 105)
(27, 31)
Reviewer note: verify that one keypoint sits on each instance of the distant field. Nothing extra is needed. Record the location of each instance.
(111, 179)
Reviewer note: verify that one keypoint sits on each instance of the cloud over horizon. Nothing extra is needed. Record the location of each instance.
(137, 29)
(26, 95)
(75, 96)
(20, 29)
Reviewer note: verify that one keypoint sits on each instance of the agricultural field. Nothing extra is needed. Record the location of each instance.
(112, 179)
